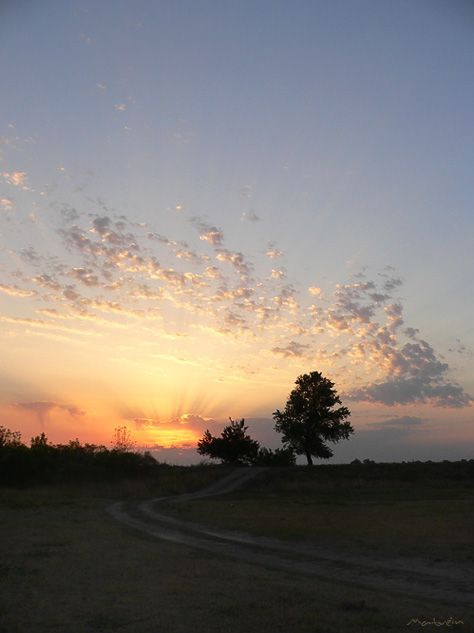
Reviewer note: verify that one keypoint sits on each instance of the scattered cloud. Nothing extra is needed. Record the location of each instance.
(272, 252)
(15, 291)
(461, 349)
(16, 178)
(250, 216)
(293, 349)
(208, 233)
(277, 274)
(6, 204)
(117, 271)
(236, 259)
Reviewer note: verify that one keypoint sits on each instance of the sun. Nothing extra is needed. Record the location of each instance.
(169, 436)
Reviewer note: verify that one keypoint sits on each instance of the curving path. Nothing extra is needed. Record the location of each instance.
(443, 582)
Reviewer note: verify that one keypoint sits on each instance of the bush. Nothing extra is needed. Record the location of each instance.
(280, 457)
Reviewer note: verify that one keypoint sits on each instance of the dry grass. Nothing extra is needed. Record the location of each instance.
(430, 519)
(67, 566)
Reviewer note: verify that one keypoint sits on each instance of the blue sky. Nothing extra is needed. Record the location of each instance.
(272, 148)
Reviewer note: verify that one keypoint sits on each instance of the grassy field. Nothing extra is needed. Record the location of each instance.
(67, 566)
(429, 516)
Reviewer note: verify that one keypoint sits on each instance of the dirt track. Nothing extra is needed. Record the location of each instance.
(444, 582)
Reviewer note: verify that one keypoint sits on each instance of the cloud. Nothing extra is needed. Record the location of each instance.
(120, 107)
(47, 281)
(85, 276)
(293, 349)
(42, 409)
(272, 252)
(411, 372)
(208, 233)
(6, 204)
(250, 216)
(397, 391)
(15, 291)
(392, 283)
(144, 423)
(236, 259)
(16, 178)
(196, 420)
(277, 274)
(109, 269)
(461, 349)
(405, 422)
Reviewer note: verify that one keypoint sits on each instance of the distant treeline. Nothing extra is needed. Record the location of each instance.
(43, 462)
(417, 470)
(368, 470)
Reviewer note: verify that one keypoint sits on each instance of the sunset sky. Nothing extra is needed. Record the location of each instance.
(201, 200)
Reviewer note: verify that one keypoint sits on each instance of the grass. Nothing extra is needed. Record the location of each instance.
(67, 566)
(425, 517)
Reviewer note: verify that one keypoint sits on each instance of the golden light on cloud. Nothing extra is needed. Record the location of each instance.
(169, 436)
(6, 203)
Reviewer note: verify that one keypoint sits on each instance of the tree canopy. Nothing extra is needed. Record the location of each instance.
(309, 418)
(234, 446)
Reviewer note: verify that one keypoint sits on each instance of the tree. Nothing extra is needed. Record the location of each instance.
(123, 441)
(40, 443)
(309, 419)
(9, 438)
(234, 446)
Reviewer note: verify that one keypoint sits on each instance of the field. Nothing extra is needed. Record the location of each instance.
(67, 566)
(408, 515)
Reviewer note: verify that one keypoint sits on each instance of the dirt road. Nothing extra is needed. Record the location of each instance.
(446, 583)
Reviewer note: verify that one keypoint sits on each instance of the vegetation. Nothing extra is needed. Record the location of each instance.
(66, 566)
(409, 509)
(401, 509)
(309, 419)
(234, 446)
(43, 462)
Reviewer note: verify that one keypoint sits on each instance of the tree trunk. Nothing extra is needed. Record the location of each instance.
(309, 458)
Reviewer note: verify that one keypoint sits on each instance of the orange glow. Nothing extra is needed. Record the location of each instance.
(168, 437)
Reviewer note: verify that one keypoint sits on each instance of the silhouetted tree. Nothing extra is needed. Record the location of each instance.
(40, 442)
(309, 419)
(123, 441)
(234, 446)
(9, 438)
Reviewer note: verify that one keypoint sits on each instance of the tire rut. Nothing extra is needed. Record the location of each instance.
(448, 584)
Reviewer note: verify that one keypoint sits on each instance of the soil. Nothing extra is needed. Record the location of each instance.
(441, 581)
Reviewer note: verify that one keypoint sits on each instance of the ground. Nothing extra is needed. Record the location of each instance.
(68, 566)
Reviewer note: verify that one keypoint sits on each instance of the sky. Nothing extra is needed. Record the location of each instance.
(200, 201)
